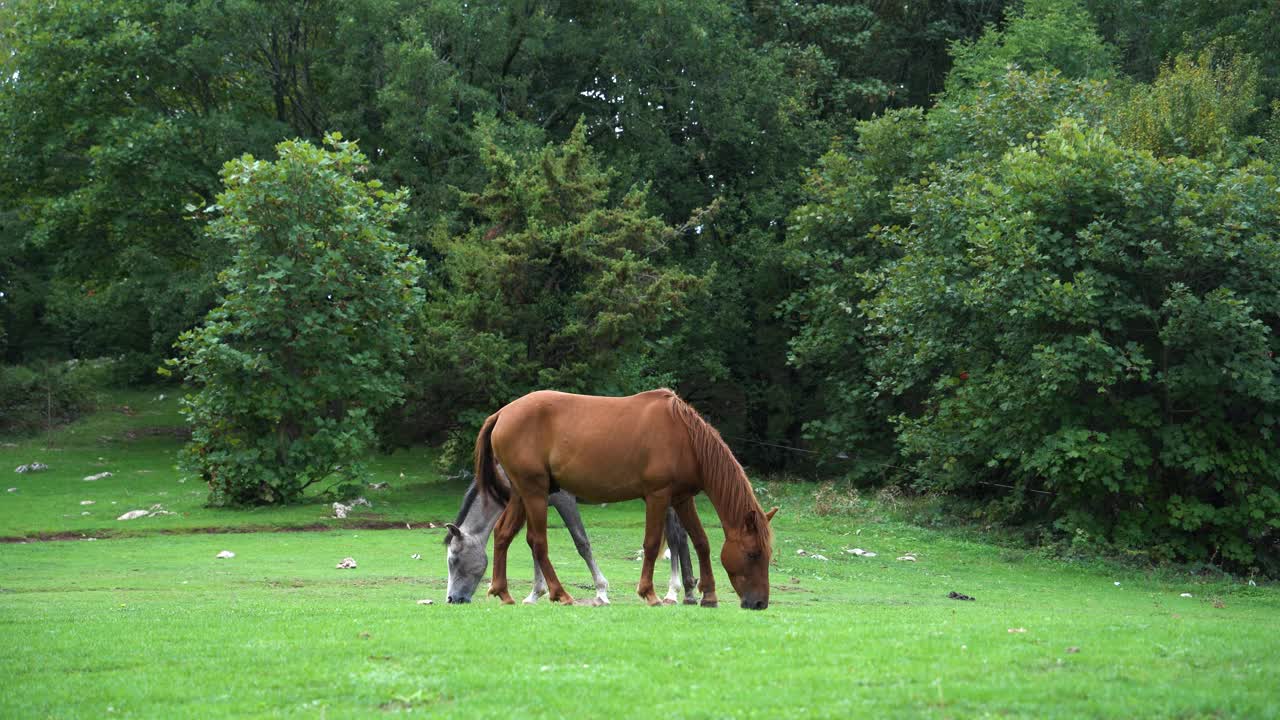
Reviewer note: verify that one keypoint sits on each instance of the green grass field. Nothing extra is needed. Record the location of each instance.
(144, 621)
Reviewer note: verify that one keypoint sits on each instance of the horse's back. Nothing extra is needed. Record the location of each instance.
(598, 448)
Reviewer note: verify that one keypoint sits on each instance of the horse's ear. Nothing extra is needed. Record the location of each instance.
(752, 523)
(454, 531)
(769, 515)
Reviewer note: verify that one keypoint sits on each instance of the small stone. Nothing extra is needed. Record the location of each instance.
(133, 514)
(908, 558)
(1073, 650)
(13, 489)
(1017, 630)
(416, 556)
(1185, 595)
(347, 563)
(86, 502)
(427, 601)
(378, 486)
(225, 555)
(99, 476)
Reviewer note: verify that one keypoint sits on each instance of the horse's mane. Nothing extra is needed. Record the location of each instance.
(723, 478)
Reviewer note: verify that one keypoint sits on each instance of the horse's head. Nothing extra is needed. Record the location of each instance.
(467, 563)
(745, 557)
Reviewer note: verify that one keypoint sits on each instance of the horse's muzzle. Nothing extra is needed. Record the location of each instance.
(755, 604)
(457, 600)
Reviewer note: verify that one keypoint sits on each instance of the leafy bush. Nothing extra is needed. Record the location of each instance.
(1197, 106)
(828, 245)
(1090, 322)
(32, 399)
(310, 338)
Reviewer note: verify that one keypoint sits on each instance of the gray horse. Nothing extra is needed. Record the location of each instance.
(469, 534)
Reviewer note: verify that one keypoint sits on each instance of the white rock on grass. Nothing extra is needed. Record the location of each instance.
(347, 563)
(99, 476)
(225, 555)
(340, 510)
(153, 512)
(860, 552)
(31, 467)
(86, 502)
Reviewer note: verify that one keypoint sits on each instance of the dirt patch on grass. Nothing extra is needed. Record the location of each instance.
(106, 534)
(179, 432)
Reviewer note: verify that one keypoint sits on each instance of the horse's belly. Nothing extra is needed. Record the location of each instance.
(603, 489)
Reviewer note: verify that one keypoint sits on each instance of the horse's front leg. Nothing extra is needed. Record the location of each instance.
(535, 507)
(508, 525)
(688, 515)
(655, 513)
(567, 505)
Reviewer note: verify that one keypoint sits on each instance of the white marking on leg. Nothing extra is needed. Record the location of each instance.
(674, 586)
(539, 585)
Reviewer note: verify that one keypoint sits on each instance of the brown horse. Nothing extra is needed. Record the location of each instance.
(605, 449)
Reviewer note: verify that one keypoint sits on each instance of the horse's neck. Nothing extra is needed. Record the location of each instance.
(482, 516)
(728, 499)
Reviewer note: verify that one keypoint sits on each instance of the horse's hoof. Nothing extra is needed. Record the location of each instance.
(711, 603)
(691, 601)
(668, 601)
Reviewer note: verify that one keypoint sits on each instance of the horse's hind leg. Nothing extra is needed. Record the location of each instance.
(567, 505)
(677, 541)
(655, 507)
(508, 525)
(681, 566)
(535, 507)
(689, 518)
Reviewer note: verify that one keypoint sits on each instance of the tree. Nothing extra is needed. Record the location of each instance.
(310, 337)
(554, 284)
(1043, 35)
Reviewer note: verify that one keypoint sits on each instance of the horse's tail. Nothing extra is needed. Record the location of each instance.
(486, 477)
